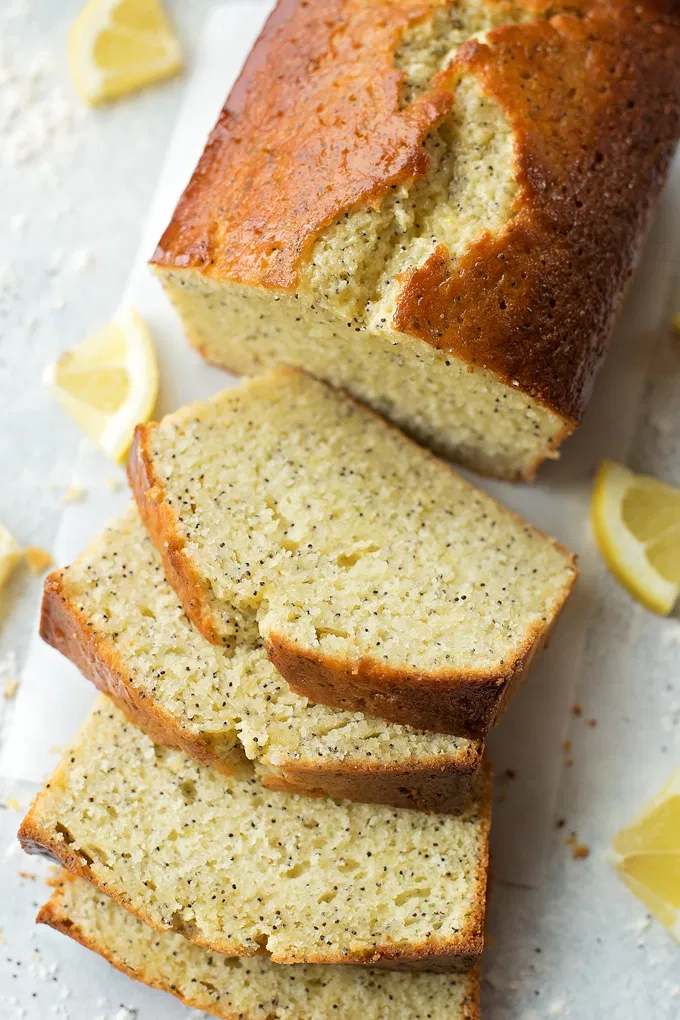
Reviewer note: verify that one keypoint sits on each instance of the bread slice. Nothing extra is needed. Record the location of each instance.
(251, 988)
(114, 614)
(434, 205)
(379, 580)
(242, 870)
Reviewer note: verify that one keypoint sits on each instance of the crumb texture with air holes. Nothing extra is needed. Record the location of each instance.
(252, 988)
(241, 869)
(305, 512)
(235, 703)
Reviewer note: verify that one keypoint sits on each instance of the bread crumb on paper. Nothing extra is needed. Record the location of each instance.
(75, 494)
(10, 687)
(579, 851)
(37, 558)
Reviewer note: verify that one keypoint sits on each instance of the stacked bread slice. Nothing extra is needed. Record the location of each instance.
(302, 652)
(252, 988)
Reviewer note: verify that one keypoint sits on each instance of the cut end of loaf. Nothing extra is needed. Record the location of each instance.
(461, 412)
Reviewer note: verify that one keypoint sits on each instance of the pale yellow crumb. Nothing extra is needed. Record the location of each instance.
(74, 495)
(37, 559)
(114, 484)
(12, 804)
(10, 688)
(676, 323)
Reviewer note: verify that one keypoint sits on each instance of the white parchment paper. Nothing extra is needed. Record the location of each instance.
(53, 698)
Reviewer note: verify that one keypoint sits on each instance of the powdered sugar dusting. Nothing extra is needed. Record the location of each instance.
(36, 114)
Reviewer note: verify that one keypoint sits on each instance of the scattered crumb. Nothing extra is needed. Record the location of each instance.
(37, 559)
(10, 687)
(30, 875)
(12, 804)
(577, 709)
(113, 484)
(74, 495)
(570, 762)
(566, 746)
(676, 323)
(510, 774)
(579, 851)
(560, 823)
(592, 723)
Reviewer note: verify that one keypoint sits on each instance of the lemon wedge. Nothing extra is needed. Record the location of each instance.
(636, 521)
(109, 383)
(10, 554)
(118, 46)
(647, 856)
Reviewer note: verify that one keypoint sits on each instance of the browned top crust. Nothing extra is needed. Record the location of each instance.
(313, 127)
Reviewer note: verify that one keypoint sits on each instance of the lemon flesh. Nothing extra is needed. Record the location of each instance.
(109, 383)
(647, 856)
(119, 46)
(636, 522)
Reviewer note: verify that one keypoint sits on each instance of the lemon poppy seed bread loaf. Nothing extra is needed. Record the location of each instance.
(436, 205)
(378, 578)
(251, 988)
(243, 870)
(115, 615)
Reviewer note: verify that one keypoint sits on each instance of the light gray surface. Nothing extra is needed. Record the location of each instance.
(85, 189)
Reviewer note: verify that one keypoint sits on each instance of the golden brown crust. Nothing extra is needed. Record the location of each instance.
(35, 839)
(463, 949)
(460, 703)
(428, 784)
(149, 492)
(456, 703)
(67, 629)
(54, 914)
(593, 98)
(227, 221)
(594, 104)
